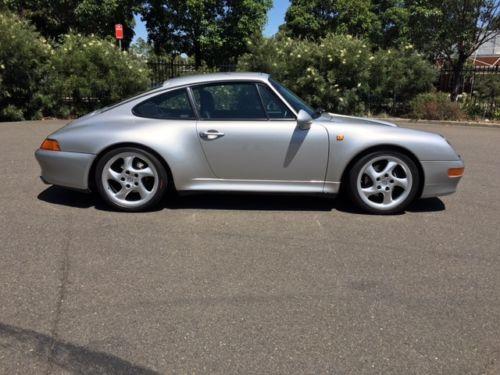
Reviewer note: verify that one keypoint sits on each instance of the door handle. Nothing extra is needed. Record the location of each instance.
(211, 134)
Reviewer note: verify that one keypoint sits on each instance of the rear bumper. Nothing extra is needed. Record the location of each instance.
(437, 182)
(70, 169)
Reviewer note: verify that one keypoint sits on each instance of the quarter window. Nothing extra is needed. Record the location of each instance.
(228, 101)
(275, 108)
(292, 99)
(171, 105)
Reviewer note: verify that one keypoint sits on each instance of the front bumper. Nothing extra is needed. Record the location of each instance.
(69, 169)
(437, 181)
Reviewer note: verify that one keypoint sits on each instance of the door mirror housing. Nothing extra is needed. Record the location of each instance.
(304, 120)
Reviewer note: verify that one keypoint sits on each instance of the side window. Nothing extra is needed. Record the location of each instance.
(273, 105)
(237, 100)
(171, 105)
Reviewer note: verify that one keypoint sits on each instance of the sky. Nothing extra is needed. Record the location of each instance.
(275, 17)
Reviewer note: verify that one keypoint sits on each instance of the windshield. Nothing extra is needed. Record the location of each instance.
(296, 102)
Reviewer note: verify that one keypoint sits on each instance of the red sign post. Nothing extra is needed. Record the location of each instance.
(119, 33)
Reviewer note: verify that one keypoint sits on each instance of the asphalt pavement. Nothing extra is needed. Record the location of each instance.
(248, 284)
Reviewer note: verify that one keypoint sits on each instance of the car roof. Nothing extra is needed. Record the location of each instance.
(202, 78)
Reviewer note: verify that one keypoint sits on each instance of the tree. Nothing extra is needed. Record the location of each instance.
(141, 48)
(214, 31)
(452, 30)
(383, 22)
(57, 17)
(392, 24)
(314, 19)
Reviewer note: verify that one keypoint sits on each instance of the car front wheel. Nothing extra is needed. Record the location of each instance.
(384, 182)
(130, 179)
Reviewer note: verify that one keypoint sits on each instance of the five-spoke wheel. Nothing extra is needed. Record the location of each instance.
(384, 182)
(130, 179)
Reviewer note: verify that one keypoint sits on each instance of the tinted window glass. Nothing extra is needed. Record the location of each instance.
(273, 105)
(228, 101)
(171, 105)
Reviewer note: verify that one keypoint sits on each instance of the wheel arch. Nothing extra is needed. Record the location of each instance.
(384, 147)
(91, 175)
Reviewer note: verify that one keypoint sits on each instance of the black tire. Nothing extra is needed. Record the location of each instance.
(163, 179)
(355, 195)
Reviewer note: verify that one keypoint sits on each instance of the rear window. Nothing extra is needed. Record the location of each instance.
(171, 105)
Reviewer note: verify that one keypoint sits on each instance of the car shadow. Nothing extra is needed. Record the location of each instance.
(232, 201)
(64, 355)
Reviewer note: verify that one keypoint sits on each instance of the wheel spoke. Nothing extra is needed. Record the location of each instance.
(113, 175)
(389, 167)
(372, 173)
(146, 172)
(369, 191)
(401, 182)
(143, 192)
(387, 197)
(122, 194)
(127, 162)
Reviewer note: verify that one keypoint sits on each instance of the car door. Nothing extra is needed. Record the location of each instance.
(248, 133)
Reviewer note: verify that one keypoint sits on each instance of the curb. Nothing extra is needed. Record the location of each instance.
(470, 124)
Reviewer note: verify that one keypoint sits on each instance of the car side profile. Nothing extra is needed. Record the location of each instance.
(243, 132)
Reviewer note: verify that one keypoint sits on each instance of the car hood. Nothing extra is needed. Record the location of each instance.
(332, 117)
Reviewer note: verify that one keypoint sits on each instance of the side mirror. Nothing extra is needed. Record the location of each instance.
(304, 120)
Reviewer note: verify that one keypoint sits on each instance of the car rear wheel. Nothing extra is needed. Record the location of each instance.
(384, 182)
(131, 179)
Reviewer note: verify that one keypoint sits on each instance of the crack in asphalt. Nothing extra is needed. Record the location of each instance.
(61, 293)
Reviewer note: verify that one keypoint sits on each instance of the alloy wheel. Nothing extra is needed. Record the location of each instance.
(384, 182)
(130, 179)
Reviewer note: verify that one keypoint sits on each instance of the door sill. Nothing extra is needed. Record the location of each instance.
(265, 186)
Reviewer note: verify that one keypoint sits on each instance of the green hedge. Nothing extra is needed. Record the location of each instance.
(24, 55)
(87, 72)
(68, 78)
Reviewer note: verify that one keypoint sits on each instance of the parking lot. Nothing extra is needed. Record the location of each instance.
(248, 283)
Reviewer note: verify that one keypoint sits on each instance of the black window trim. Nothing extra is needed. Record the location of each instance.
(255, 83)
(193, 107)
(261, 101)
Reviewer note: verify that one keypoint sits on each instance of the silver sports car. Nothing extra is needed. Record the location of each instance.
(243, 132)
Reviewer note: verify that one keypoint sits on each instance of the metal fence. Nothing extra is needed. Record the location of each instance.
(467, 78)
(480, 85)
(162, 69)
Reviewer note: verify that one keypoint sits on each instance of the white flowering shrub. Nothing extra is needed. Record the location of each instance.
(340, 73)
(87, 72)
(23, 57)
(331, 74)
